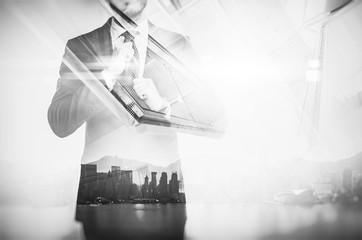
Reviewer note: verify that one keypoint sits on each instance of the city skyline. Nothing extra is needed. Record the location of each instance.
(118, 185)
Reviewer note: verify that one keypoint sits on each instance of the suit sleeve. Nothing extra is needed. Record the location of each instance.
(73, 103)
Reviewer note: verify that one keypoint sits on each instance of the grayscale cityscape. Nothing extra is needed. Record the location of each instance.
(117, 186)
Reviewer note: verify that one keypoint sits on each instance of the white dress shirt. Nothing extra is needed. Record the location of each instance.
(140, 39)
(74, 104)
(156, 146)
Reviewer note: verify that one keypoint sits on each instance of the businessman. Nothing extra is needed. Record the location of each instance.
(116, 53)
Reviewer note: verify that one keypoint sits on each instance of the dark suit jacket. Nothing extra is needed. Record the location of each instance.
(88, 48)
(73, 103)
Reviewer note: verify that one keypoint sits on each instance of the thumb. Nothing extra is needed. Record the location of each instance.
(128, 44)
(119, 41)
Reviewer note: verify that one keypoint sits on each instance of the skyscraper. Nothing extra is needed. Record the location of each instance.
(87, 183)
(124, 187)
(116, 173)
(174, 187)
(88, 173)
(347, 180)
(145, 188)
(162, 187)
(153, 184)
(126, 176)
(110, 192)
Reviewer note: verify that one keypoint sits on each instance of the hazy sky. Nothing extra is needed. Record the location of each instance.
(254, 57)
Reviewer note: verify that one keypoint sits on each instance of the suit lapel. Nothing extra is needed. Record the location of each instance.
(105, 40)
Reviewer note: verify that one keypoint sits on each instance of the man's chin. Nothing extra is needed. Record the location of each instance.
(132, 12)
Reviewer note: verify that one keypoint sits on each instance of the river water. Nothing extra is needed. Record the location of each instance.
(221, 221)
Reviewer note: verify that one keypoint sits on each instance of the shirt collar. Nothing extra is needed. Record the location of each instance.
(117, 30)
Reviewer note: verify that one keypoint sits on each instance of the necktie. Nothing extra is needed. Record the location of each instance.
(129, 38)
(131, 70)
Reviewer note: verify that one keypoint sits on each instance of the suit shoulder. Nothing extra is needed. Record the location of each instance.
(169, 38)
(168, 33)
(78, 42)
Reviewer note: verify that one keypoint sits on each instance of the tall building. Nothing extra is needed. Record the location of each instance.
(336, 181)
(101, 184)
(145, 188)
(181, 195)
(358, 186)
(115, 169)
(146, 181)
(126, 176)
(124, 188)
(174, 187)
(347, 180)
(110, 191)
(153, 179)
(87, 183)
(88, 173)
(162, 187)
(116, 173)
(153, 185)
(355, 179)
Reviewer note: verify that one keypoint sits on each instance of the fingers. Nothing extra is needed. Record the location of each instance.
(140, 85)
(146, 89)
(122, 55)
(118, 42)
(120, 45)
(124, 50)
(126, 53)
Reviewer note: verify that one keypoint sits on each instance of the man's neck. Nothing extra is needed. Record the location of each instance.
(136, 19)
(139, 19)
(142, 24)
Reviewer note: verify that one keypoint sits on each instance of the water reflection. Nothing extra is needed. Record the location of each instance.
(266, 221)
(221, 221)
(133, 221)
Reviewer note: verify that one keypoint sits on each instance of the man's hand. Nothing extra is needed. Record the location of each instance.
(122, 55)
(146, 90)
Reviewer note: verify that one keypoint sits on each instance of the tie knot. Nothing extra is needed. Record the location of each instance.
(127, 37)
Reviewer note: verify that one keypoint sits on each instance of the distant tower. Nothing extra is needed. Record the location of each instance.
(162, 187)
(146, 181)
(358, 186)
(116, 169)
(336, 181)
(145, 188)
(174, 187)
(87, 183)
(153, 179)
(355, 179)
(116, 173)
(153, 184)
(347, 180)
(88, 173)
(126, 176)
(110, 187)
(125, 184)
